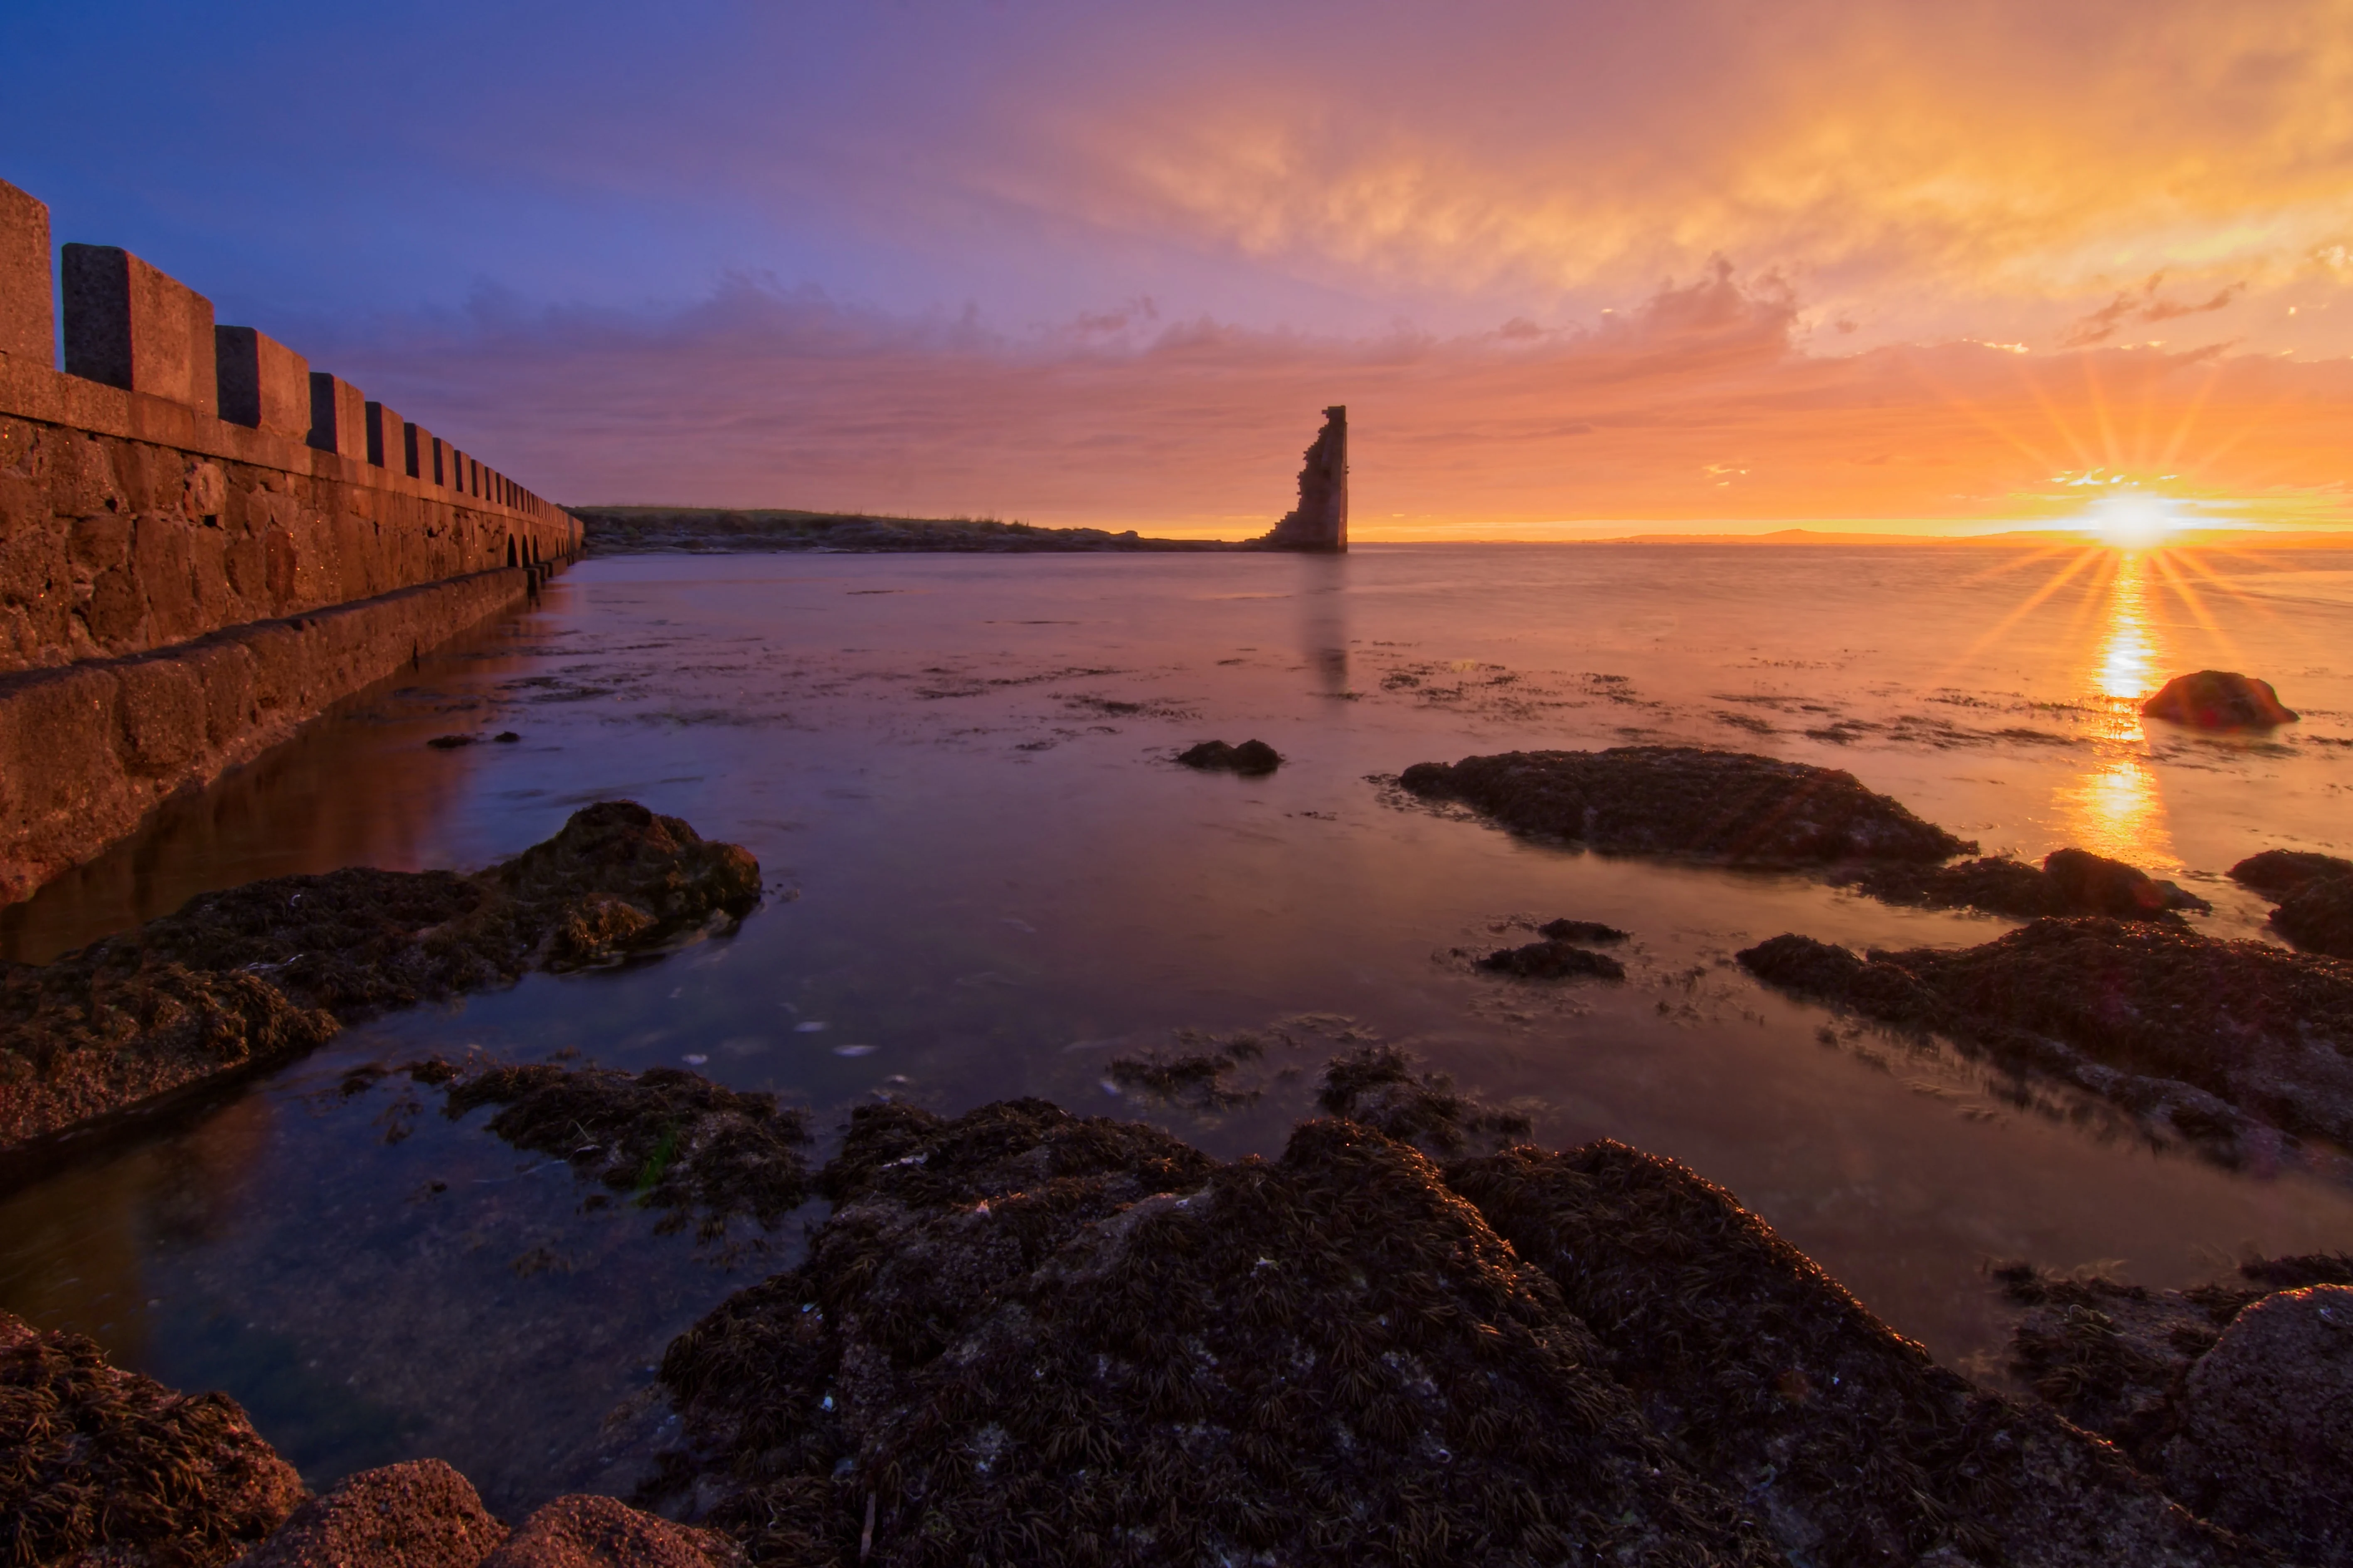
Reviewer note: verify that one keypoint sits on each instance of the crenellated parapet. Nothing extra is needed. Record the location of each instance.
(204, 544)
(178, 476)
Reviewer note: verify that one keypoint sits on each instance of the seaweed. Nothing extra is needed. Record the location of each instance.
(2113, 1357)
(1552, 960)
(1377, 1087)
(250, 976)
(1727, 806)
(1764, 1375)
(671, 1139)
(2220, 1040)
(2068, 882)
(98, 1465)
(1197, 1079)
(1024, 1337)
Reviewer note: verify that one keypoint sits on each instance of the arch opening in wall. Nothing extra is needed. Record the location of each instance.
(511, 550)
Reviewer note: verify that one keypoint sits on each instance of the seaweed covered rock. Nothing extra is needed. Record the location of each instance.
(1567, 929)
(2113, 1357)
(253, 975)
(1728, 806)
(1251, 759)
(101, 1465)
(1552, 960)
(672, 1138)
(2219, 699)
(2280, 873)
(1768, 1377)
(1024, 1337)
(2095, 885)
(2266, 1439)
(2318, 918)
(1379, 1087)
(2314, 892)
(587, 1531)
(2068, 882)
(420, 1514)
(2220, 1039)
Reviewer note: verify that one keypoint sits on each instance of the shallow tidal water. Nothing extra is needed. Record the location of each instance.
(988, 879)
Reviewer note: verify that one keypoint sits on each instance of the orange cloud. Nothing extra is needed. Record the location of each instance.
(1700, 403)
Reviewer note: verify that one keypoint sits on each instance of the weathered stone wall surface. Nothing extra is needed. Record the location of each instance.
(203, 543)
(88, 749)
(180, 478)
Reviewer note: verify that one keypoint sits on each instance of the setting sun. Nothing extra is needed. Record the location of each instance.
(2134, 521)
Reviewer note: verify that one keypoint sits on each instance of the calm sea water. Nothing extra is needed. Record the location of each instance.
(987, 879)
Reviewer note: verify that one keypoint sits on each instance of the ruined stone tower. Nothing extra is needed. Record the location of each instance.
(1320, 522)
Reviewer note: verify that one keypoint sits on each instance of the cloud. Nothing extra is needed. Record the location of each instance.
(1701, 401)
(2142, 304)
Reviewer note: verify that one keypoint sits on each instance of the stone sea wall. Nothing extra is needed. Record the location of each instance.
(203, 543)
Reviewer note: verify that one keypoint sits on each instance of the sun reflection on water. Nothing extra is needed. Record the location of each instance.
(2117, 808)
(2128, 651)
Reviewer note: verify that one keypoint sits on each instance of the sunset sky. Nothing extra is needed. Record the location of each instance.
(1574, 266)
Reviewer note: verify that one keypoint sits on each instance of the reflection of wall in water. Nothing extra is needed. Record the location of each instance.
(75, 1256)
(359, 787)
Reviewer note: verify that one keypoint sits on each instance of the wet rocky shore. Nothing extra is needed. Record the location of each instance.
(1021, 1335)
(2240, 1048)
(1025, 1336)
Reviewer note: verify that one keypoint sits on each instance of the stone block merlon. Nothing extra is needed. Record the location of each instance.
(264, 384)
(126, 324)
(338, 417)
(28, 322)
(385, 438)
(131, 326)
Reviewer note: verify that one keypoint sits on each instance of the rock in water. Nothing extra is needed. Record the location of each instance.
(2096, 885)
(1552, 960)
(101, 1467)
(238, 979)
(1320, 521)
(1567, 930)
(2219, 699)
(2220, 1038)
(2315, 894)
(2068, 882)
(2318, 918)
(2277, 874)
(2266, 1439)
(1251, 759)
(673, 1139)
(1729, 807)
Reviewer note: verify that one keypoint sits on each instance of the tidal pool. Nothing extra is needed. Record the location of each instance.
(986, 879)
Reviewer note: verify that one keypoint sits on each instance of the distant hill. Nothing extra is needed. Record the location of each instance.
(642, 530)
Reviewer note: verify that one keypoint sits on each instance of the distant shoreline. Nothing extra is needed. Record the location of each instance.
(650, 530)
(659, 531)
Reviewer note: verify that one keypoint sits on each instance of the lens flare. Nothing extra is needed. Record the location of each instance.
(2133, 521)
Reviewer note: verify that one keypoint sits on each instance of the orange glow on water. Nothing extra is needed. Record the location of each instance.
(2118, 810)
(2126, 665)
(2117, 807)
